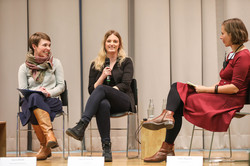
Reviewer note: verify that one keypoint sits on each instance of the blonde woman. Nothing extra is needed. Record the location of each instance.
(110, 76)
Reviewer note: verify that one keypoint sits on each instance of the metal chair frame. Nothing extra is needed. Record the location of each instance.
(64, 99)
(118, 115)
(221, 159)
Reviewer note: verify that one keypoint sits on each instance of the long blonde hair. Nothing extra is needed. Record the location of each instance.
(100, 59)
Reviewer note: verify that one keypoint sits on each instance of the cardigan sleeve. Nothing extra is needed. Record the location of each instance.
(59, 76)
(22, 77)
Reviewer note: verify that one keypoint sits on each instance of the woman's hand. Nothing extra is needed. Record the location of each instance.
(106, 72)
(115, 87)
(45, 92)
(200, 89)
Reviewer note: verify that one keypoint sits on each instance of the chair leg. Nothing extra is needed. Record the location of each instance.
(63, 130)
(191, 141)
(128, 131)
(127, 135)
(137, 125)
(67, 127)
(230, 146)
(203, 139)
(211, 144)
(90, 135)
(18, 153)
(220, 159)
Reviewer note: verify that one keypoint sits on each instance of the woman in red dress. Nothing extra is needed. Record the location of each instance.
(211, 108)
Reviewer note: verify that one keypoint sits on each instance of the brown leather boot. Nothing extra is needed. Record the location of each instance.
(44, 152)
(165, 150)
(44, 122)
(165, 120)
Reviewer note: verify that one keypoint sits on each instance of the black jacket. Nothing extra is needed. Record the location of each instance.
(122, 76)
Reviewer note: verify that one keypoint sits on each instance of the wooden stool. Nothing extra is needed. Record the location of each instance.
(2, 139)
(151, 141)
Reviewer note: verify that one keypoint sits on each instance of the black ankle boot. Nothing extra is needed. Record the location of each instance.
(77, 132)
(106, 146)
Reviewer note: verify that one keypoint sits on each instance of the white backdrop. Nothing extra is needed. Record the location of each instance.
(175, 40)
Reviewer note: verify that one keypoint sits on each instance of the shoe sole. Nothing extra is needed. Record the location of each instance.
(157, 126)
(52, 144)
(45, 158)
(154, 161)
(108, 160)
(72, 134)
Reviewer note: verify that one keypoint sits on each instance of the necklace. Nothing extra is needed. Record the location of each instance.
(230, 56)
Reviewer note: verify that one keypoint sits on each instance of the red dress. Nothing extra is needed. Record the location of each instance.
(214, 112)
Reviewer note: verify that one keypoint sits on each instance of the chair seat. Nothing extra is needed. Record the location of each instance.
(120, 114)
(60, 114)
(241, 114)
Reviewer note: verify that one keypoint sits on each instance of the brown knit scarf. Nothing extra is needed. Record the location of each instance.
(38, 65)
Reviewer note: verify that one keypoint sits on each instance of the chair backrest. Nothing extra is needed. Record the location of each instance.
(248, 95)
(64, 95)
(134, 90)
(133, 86)
(242, 114)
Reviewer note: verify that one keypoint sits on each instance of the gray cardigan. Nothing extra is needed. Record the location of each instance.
(53, 80)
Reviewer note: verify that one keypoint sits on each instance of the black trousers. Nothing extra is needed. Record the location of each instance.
(175, 104)
(104, 101)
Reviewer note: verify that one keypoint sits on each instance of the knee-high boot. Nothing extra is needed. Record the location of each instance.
(165, 150)
(44, 122)
(44, 152)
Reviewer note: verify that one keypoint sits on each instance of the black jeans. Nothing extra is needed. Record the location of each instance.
(104, 101)
(175, 104)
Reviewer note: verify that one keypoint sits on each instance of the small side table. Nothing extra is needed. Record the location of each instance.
(2, 139)
(151, 141)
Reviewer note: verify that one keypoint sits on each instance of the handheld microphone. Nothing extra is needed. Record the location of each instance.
(107, 64)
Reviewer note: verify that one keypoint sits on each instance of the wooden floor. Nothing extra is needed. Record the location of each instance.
(119, 159)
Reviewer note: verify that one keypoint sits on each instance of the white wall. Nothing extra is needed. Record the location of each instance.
(152, 67)
(98, 18)
(174, 41)
(13, 40)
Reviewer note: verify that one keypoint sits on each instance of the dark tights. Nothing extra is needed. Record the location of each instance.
(175, 104)
(103, 101)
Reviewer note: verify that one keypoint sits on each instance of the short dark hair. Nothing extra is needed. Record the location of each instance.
(237, 29)
(35, 39)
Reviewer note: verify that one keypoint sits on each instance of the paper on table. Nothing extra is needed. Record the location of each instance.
(184, 160)
(18, 161)
(89, 161)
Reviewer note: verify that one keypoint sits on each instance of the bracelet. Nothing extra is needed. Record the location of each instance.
(216, 89)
